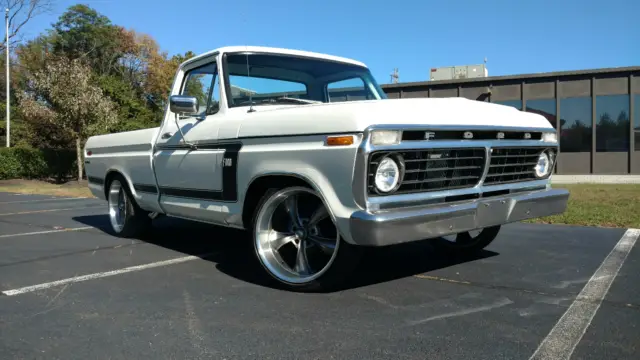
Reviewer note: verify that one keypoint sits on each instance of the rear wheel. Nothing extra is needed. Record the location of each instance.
(126, 217)
(297, 242)
(468, 242)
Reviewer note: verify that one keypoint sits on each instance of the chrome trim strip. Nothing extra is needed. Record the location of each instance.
(450, 144)
(425, 198)
(487, 162)
(444, 127)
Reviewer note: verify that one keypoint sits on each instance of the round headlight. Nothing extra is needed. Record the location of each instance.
(543, 167)
(387, 175)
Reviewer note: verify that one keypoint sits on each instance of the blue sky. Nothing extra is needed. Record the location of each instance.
(516, 36)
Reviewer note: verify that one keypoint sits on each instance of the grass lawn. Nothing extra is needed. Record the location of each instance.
(599, 205)
(589, 204)
(71, 188)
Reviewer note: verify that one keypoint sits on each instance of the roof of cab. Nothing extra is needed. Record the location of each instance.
(274, 50)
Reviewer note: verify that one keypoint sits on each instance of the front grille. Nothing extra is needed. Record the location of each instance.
(509, 165)
(433, 169)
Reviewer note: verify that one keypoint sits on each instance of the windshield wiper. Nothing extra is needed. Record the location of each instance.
(280, 100)
(296, 100)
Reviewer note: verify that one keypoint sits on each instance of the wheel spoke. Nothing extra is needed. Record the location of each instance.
(318, 215)
(281, 239)
(291, 204)
(327, 245)
(302, 263)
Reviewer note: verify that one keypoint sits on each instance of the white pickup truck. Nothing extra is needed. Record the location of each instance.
(305, 152)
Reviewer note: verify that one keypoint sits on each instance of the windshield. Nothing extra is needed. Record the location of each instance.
(266, 79)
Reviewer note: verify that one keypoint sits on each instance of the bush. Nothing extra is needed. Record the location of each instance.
(61, 163)
(29, 163)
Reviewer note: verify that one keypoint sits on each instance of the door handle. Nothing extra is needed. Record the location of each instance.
(167, 135)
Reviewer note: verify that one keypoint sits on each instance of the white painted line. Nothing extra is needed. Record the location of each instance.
(40, 200)
(102, 275)
(568, 331)
(49, 210)
(46, 232)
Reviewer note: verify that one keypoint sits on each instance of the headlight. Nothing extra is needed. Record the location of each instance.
(544, 165)
(387, 175)
(549, 137)
(385, 137)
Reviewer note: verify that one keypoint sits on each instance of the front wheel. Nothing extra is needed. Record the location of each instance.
(126, 217)
(297, 242)
(468, 242)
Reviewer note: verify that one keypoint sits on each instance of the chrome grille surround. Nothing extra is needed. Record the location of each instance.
(420, 194)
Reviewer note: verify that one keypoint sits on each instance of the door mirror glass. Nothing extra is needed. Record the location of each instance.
(183, 105)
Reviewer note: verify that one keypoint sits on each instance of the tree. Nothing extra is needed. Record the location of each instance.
(63, 96)
(20, 13)
(82, 33)
(160, 74)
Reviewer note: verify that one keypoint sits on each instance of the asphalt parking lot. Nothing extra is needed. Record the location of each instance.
(69, 290)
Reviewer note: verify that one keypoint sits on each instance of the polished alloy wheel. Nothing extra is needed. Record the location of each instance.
(469, 241)
(462, 239)
(295, 236)
(117, 205)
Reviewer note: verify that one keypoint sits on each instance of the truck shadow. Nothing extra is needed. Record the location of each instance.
(231, 250)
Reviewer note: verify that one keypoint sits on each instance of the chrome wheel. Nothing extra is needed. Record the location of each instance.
(295, 237)
(118, 202)
(463, 239)
(470, 241)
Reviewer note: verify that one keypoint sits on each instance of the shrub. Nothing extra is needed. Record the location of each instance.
(28, 163)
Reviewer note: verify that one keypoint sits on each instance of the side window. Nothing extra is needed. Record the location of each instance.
(202, 83)
(348, 90)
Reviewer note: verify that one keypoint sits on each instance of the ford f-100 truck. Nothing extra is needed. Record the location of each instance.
(305, 152)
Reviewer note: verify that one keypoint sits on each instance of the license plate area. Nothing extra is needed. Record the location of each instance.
(492, 212)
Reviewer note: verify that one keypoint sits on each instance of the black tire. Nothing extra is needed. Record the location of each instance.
(466, 244)
(343, 264)
(135, 222)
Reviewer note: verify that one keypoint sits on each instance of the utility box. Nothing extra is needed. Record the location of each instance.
(459, 72)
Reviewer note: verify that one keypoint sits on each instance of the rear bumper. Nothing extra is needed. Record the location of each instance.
(418, 223)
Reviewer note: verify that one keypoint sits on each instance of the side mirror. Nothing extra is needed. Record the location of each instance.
(183, 105)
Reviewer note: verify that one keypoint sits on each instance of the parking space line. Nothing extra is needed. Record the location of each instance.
(99, 275)
(49, 210)
(40, 200)
(568, 331)
(46, 232)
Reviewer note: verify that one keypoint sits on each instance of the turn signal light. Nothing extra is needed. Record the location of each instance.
(340, 140)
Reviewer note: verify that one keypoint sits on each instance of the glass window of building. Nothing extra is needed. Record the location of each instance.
(636, 121)
(612, 123)
(575, 124)
(544, 107)
(515, 103)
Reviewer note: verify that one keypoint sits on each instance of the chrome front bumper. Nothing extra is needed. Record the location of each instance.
(387, 227)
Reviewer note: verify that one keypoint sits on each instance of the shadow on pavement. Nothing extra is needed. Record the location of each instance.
(231, 250)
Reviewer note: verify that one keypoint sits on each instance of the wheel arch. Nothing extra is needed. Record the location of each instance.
(261, 183)
(113, 173)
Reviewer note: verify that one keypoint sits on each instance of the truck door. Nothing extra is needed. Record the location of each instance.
(190, 176)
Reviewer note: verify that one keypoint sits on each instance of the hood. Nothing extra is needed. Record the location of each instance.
(356, 116)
